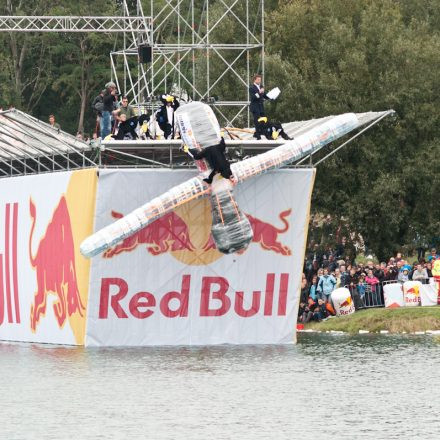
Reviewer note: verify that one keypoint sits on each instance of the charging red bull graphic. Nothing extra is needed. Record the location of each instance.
(342, 301)
(347, 302)
(411, 295)
(169, 233)
(172, 233)
(54, 263)
(9, 292)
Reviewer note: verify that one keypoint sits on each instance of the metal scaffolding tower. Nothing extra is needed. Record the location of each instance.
(204, 50)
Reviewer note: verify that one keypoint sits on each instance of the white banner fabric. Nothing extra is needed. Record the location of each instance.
(43, 277)
(169, 285)
(393, 295)
(428, 293)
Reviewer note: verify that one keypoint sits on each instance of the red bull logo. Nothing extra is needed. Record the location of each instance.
(9, 293)
(186, 234)
(266, 234)
(412, 295)
(169, 233)
(346, 307)
(413, 291)
(54, 263)
(347, 302)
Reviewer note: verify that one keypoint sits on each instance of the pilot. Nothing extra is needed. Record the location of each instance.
(216, 158)
(270, 129)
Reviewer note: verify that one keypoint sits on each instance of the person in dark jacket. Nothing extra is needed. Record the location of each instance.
(257, 95)
(98, 107)
(127, 127)
(216, 158)
(107, 100)
(165, 115)
(352, 282)
(270, 129)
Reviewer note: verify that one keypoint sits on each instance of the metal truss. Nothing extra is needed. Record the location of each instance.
(197, 48)
(74, 24)
(204, 50)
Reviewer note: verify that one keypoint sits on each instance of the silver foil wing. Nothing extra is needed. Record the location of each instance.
(143, 216)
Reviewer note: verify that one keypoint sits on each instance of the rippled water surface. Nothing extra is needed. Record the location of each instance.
(327, 386)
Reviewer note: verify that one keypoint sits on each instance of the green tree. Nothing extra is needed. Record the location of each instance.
(336, 56)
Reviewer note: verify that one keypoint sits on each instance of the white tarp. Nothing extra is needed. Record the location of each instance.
(168, 285)
(428, 293)
(43, 277)
(393, 295)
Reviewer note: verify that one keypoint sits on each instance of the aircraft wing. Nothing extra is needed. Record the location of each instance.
(142, 216)
(306, 143)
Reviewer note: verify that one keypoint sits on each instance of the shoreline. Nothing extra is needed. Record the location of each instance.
(409, 320)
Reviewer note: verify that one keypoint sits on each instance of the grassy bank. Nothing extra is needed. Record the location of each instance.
(409, 320)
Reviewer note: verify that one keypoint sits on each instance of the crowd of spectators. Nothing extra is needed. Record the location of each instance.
(324, 272)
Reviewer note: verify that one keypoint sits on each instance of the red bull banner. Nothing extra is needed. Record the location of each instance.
(44, 279)
(169, 285)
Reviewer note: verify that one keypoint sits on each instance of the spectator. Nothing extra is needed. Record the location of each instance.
(54, 124)
(403, 275)
(94, 140)
(124, 109)
(351, 283)
(313, 291)
(379, 273)
(108, 100)
(391, 273)
(304, 295)
(326, 285)
(433, 255)
(305, 314)
(429, 269)
(98, 107)
(337, 275)
(362, 287)
(369, 266)
(373, 282)
(361, 269)
(332, 264)
(345, 274)
(320, 311)
(420, 274)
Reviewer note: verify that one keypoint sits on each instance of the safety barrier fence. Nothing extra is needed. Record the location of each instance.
(368, 296)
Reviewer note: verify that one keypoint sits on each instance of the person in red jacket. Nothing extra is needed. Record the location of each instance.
(373, 282)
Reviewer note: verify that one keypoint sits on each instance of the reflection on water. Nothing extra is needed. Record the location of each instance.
(327, 386)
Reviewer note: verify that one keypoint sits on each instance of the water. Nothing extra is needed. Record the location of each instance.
(326, 387)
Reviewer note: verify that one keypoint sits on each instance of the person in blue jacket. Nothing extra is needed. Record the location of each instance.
(326, 285)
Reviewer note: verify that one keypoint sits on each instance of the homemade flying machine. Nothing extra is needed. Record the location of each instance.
(231, 230)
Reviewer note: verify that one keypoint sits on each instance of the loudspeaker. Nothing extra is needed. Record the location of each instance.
(145, 53)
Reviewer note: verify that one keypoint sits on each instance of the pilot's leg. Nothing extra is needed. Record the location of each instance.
(210, 177)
